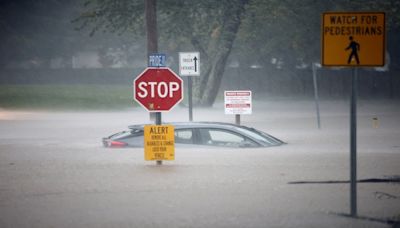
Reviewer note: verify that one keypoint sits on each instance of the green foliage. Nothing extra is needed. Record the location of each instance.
(35, 29)
(286, 29)
(82, 97)
(112, 16)
(181, 23)
(207, 26)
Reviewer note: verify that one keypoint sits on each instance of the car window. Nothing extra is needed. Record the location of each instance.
(121, 134)
(184, 136)
(137, 131)
(217, 137)
(260, 136)
(134, 141)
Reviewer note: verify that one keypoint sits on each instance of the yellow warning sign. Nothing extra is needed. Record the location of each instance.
(354, 39)
(159, 142)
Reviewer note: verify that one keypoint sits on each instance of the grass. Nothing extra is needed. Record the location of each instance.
(66, 96)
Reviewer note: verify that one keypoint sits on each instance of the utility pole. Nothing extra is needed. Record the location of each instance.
(152, 44)
(151, 26)
(152, 39)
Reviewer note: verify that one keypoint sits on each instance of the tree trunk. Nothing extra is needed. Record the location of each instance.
(207, 86)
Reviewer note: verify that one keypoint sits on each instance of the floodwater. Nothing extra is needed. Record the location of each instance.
(54, 171)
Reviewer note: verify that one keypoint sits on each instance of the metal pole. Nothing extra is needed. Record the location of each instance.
(152, 41)
(190, 97)
(237, 119)
(158, 122)
(353, 145)
(158, 118)
(151, 26)
(151, 32)
(316, 97)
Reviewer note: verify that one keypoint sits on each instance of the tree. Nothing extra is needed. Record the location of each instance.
(258, 30)
(35, 30)
(207, 26)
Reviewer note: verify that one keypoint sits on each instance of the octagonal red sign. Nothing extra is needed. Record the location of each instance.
(158, 89)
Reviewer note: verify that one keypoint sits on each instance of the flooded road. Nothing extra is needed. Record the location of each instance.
(54, 171)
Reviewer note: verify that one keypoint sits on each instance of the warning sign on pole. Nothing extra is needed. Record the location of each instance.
(354, 39)
(238, 102)
(159, 142)
(158, 89)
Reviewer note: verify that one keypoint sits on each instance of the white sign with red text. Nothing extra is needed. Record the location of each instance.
(238, 102)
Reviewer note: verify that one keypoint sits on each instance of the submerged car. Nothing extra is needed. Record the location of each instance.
(198, 134)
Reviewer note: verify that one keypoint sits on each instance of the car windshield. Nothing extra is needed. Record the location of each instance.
(120, 134)
(136, 131)
(123, 134)
(258, 135)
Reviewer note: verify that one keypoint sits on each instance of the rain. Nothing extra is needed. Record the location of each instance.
(67, 71)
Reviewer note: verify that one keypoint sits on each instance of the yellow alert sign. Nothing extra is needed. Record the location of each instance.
(159, 142)
(355, 39)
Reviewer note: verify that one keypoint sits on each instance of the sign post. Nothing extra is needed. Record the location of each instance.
(353, 144)
(158, 89)
(189, 65)
(237, 103)
(353, 39)
(159, 142)
(316, 97)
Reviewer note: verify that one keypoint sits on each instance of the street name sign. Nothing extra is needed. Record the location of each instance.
(157, 60)
(189, 63)
(159, 142)
(158, 89)
(355, 39)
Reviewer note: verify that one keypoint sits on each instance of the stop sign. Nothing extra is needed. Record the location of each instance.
(158, 89)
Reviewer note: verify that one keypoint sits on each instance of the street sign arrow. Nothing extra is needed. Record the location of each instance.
(195, 64)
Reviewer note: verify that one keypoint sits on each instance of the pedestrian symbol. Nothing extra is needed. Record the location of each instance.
(355, 48)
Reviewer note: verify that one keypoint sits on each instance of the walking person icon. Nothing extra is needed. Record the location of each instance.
(355, 48)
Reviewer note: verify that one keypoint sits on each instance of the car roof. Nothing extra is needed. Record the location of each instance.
(192, 124)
